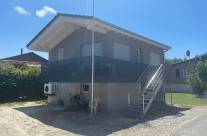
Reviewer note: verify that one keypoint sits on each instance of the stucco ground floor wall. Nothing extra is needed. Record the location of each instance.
(114, 97)
(179, 88)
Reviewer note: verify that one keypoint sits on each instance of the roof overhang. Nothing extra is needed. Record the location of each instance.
(64, 24)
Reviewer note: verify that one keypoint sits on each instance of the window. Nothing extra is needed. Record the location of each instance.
(139, 55)
(85, 88)
(154, 59)
(183, 72)
(177, 72)
(121, 52)
(87, 50)
(60, 54)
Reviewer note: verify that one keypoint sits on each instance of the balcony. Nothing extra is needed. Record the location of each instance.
(106, 70)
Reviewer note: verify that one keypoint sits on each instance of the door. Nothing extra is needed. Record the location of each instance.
(154, 59)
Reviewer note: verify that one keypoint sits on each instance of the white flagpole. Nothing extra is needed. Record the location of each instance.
(92, 60)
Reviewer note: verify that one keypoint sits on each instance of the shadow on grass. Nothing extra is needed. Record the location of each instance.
(102, 124)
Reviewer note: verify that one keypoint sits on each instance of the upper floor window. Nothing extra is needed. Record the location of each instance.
(122, 52)
(86, 50)
(182, 72)
(154, 59)
(60, 54)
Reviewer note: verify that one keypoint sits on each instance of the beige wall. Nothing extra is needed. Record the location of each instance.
(100, 91)
(122, 96)
(64, 92)
(180, 88)
(67, 90)
(114, 97)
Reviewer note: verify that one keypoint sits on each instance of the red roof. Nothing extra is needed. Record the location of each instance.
(27, 57)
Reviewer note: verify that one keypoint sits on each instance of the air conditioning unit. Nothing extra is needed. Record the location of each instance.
(50, 89)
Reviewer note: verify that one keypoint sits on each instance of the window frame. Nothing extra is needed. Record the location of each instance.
(121, 49)
(60, 53)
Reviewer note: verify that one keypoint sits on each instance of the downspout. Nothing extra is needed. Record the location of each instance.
(168, 48)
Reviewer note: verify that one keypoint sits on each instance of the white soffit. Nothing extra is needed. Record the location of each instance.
(53, 35)
(103, 27)
(65, 25)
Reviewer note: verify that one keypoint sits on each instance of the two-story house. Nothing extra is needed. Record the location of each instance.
(127, 66)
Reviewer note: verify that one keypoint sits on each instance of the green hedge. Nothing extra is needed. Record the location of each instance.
(20, 81)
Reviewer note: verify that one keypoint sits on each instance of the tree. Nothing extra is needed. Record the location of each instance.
(173, 61)
(198, 77)
(200, 55)
(20, 81)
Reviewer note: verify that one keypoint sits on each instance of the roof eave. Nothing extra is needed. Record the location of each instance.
(109, 25)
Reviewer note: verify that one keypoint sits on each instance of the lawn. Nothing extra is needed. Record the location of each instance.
(185, 99)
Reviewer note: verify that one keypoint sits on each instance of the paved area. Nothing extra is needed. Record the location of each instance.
(196, 127)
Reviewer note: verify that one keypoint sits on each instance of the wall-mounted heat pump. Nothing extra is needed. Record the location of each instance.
(50, 89)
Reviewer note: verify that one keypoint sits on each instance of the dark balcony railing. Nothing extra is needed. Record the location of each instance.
(106, 70)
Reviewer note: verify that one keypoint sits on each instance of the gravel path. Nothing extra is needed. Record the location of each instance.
(163, 121)
(43, 120)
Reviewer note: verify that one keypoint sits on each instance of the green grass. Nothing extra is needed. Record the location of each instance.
(10, 104)
(20, 103)
(185, 99)
(40, 102)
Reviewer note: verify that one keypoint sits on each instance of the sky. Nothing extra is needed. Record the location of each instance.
(181, 24)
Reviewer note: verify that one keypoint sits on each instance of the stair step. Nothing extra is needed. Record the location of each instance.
(141, 102)
(149, 90)
(138, 106)
(149, 93)
(139, 109)
(145, 98)
(136, 110)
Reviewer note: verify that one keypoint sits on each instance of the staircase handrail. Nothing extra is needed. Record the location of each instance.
(153, 77)
(151, 100)
(140, 77)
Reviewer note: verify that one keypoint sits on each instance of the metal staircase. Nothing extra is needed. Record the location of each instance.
(151, 81)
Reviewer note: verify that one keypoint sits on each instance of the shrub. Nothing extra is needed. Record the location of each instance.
(20, 81)
(198, 77)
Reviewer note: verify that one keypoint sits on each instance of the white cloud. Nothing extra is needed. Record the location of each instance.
(44, 11)
(21, 11)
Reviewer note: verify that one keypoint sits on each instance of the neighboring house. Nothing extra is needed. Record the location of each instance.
(27, 58)
(124, 62)
(176, 75)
